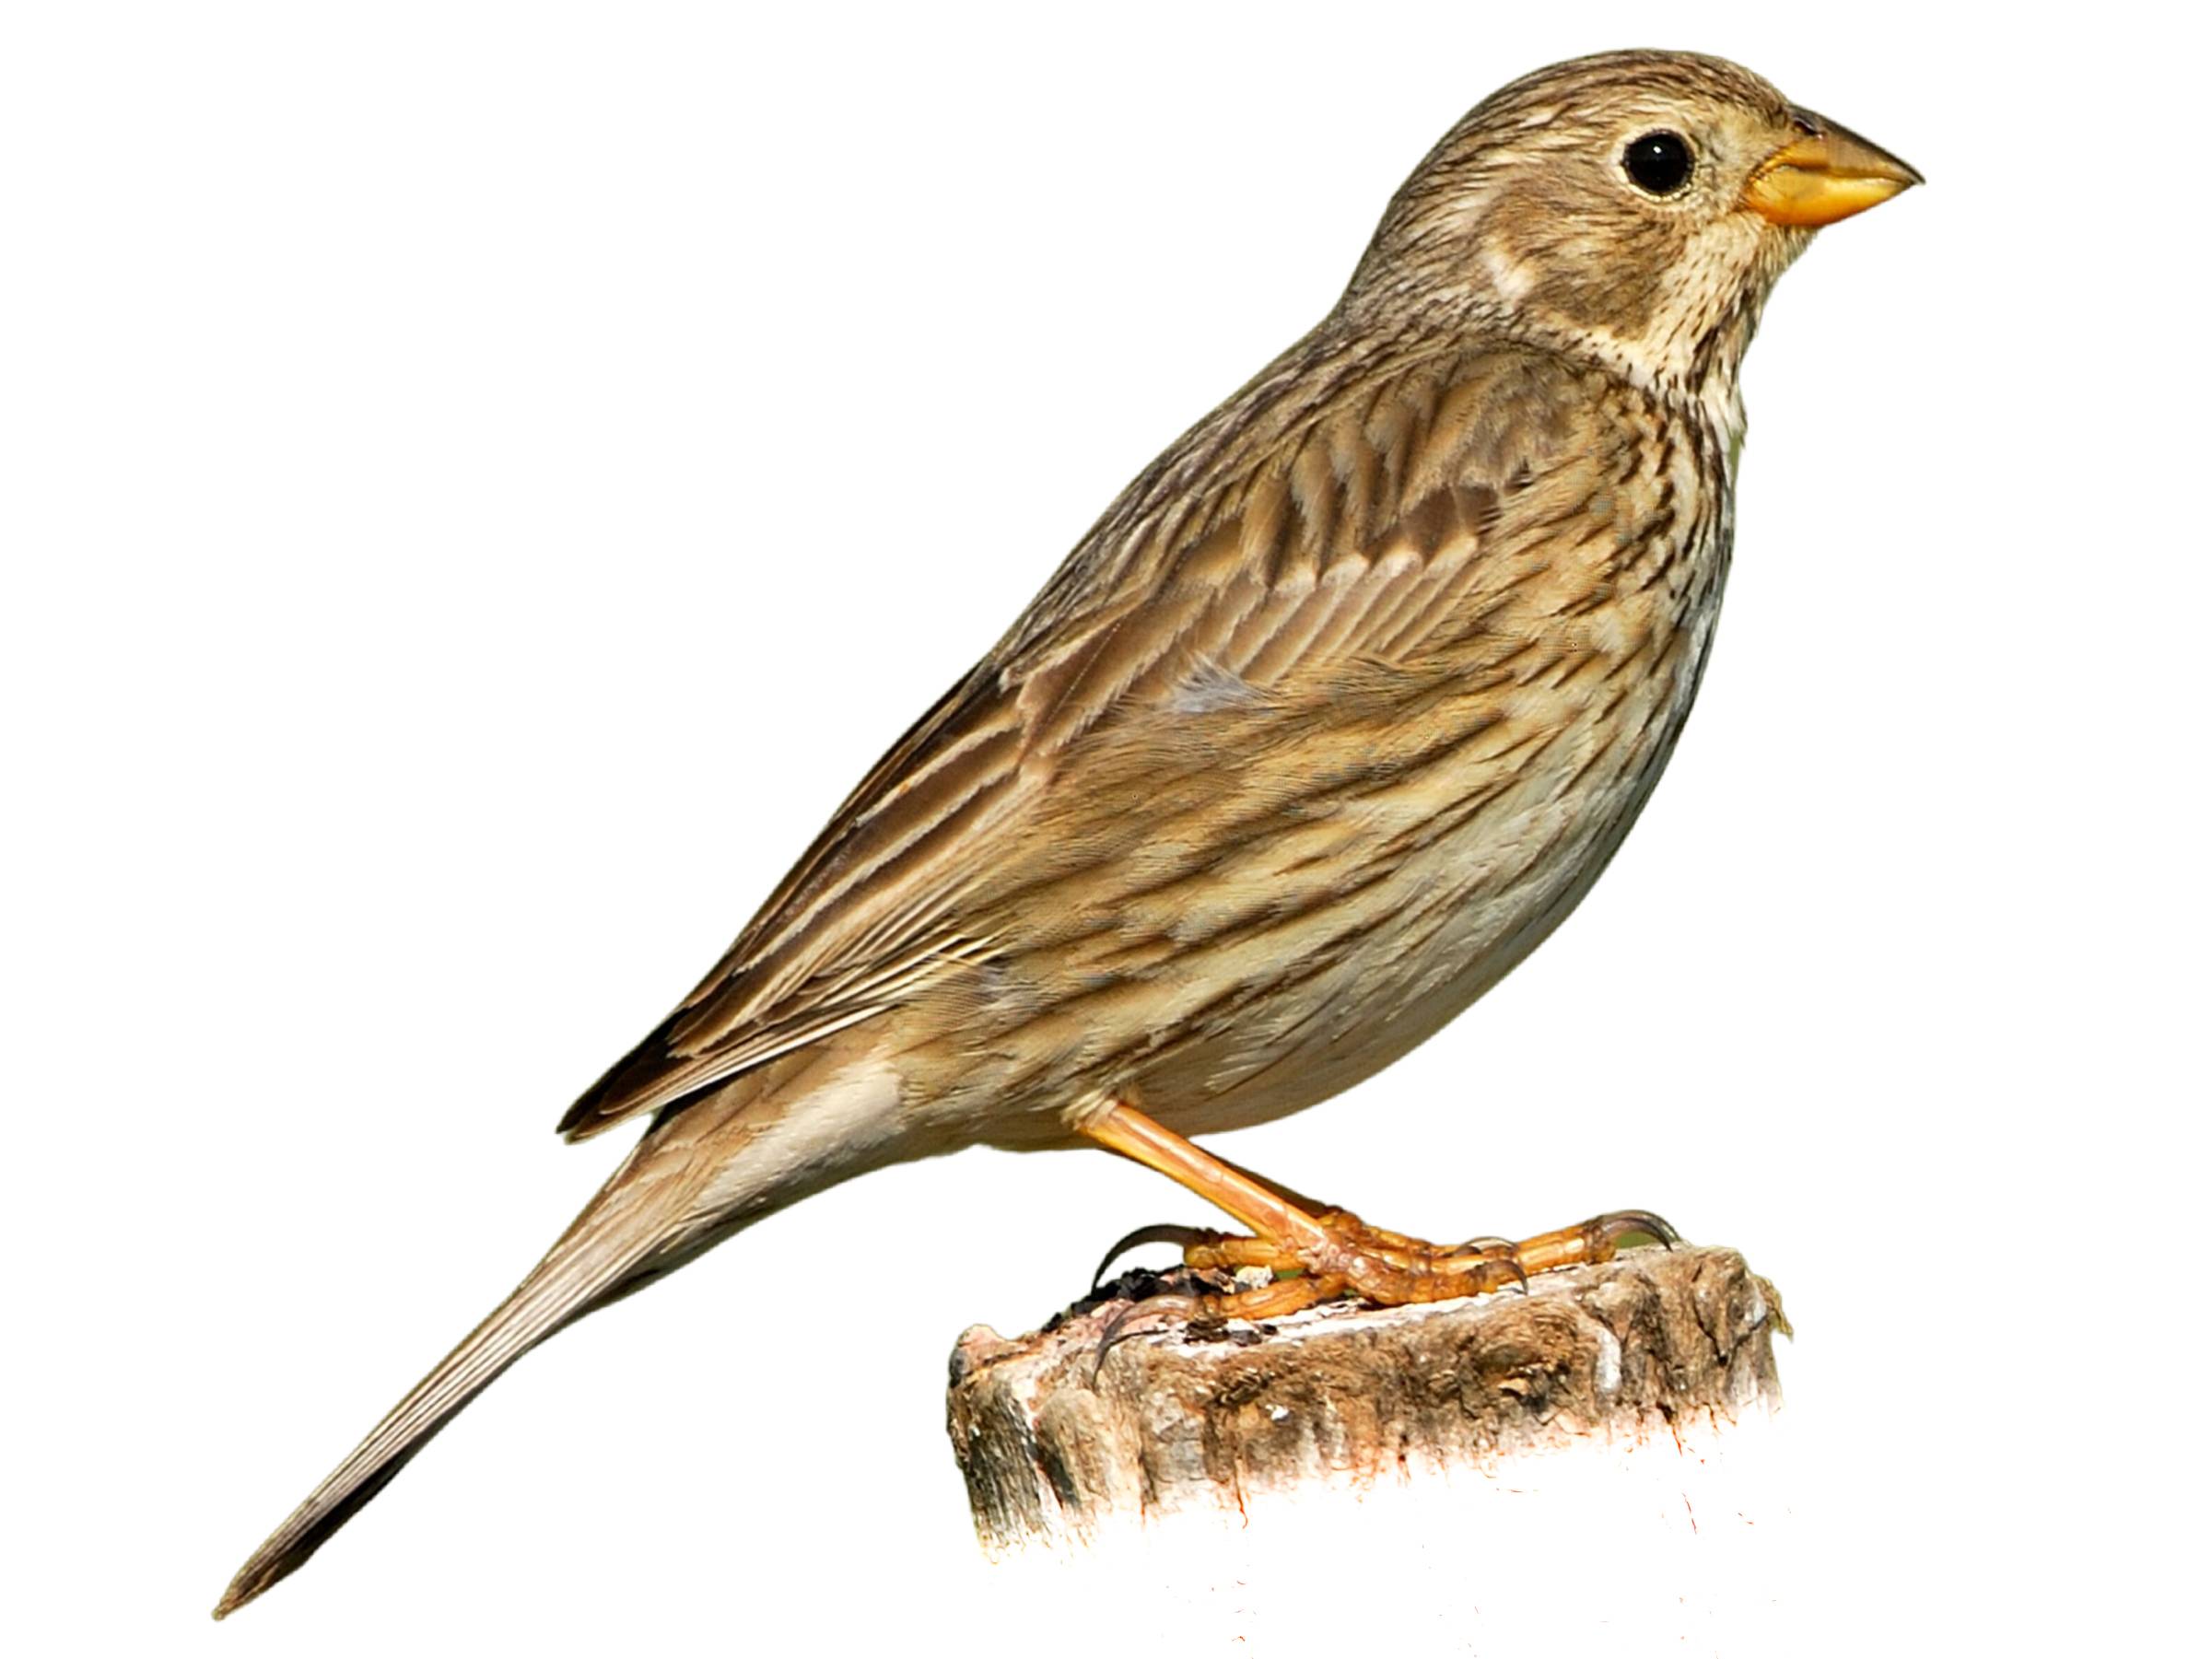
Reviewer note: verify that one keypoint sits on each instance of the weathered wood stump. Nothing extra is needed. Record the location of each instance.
(1059, 1445)
(1590, 1468)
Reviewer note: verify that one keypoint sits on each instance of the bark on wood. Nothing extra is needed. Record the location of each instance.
(1056, 1444)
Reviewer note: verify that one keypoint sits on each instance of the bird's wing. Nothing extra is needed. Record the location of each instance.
(1278, 542)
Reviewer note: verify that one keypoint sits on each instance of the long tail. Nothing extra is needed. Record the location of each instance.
(606, 1251)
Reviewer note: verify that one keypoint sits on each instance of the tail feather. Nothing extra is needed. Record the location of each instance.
(581, 1272)
(693, 1179)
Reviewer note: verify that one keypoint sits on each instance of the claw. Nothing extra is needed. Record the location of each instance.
(1116, 1327)
(1159, 1232)
(1617, 1225)
(1489, 1247)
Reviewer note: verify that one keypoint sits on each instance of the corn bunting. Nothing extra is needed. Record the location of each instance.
(1335, 714)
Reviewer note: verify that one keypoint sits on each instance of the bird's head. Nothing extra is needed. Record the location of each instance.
(1635, 206)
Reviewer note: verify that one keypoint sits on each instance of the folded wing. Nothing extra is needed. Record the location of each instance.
(1272, 551)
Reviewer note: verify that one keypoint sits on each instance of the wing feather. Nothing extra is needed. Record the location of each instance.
(1278, 543)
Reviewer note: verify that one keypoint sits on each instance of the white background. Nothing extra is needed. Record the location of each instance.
(480, 483)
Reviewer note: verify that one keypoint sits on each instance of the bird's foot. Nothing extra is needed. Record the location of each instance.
(1391, 1270)
(1313, 1253)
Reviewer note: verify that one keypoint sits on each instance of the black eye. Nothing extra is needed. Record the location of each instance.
(1658, 162)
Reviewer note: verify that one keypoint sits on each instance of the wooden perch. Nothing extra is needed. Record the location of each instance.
(1252, 1425)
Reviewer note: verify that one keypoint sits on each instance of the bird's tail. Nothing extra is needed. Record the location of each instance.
(607, 1252)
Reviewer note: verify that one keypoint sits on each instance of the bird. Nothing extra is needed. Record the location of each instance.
(1332, 717)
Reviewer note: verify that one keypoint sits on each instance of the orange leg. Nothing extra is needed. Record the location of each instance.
(1332, 1252)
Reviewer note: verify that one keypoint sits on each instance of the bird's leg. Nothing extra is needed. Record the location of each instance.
(1322, 1253)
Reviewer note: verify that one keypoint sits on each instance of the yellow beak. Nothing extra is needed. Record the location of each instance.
(1828, 174)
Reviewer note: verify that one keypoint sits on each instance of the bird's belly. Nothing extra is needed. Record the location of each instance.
(1383, 973)
(1315, 1039)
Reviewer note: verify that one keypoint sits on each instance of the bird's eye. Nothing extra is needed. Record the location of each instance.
(1659, 162)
